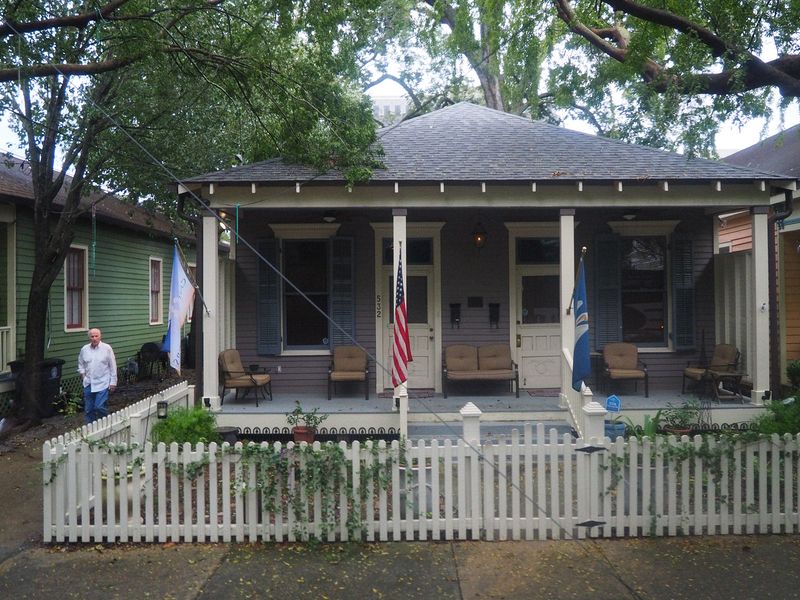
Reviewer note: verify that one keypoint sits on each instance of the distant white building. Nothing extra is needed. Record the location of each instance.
(389, 109)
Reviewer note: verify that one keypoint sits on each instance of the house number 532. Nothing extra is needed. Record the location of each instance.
(378, 310)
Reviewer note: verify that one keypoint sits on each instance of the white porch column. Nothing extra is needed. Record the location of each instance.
(400, 396)
(210, 338)
(759, 311)
(567, 278)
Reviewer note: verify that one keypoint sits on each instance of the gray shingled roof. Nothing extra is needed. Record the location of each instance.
(466, 142)
(779, 154)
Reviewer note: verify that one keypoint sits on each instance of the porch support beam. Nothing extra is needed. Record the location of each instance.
(210, 286)
(759, 292)
(567, 279)
(400, 394)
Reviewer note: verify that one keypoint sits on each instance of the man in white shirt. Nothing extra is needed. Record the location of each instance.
(98, 366)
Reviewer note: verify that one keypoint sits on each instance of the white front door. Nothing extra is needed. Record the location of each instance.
(419, 304)
(538, 326)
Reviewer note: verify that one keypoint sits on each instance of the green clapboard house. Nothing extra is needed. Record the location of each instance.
(116, 276)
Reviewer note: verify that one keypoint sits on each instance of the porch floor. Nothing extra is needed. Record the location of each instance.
(535, 405)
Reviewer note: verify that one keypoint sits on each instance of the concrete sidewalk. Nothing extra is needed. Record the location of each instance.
(722, 567)
(691, 568)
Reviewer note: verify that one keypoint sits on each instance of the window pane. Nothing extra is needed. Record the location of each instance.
(540, 295)
(419, 251)
(417, 299)
(538, 251)
(644, 290)
(75, 288)
(305, 326)
(305, 264)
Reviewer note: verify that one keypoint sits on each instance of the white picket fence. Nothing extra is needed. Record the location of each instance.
(131, 424)
(514, 489)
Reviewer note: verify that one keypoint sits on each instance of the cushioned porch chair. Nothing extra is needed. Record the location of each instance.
(724, 360)
(348, 363)
(622, 362)
(235, 377)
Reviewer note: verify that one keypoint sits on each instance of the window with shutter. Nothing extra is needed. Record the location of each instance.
(268, 316)
(632, 292)
(607, 315)
(683, 293)
(342, 291)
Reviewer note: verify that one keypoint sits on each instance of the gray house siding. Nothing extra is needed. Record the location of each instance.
(482, 274)
(665, 368)
(301, 373)
(467, 272)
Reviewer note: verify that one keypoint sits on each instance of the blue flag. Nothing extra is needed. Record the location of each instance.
(181, 294)
(581, 366)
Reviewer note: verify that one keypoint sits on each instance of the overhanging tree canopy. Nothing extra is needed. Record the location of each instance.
(81, 79)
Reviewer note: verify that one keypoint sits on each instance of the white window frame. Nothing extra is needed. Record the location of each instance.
(160, 261)
(300, 231)
(665, 229)
(84, 326)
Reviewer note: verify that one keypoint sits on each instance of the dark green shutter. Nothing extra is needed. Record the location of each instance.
(682, 293)
(268, 310)
(342, 279)
(607, 313)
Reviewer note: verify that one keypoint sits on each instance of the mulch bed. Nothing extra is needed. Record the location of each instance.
(126, 394)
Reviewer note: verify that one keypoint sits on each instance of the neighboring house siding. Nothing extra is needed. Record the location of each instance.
(118, 290)
(791, 296)
(736, 232)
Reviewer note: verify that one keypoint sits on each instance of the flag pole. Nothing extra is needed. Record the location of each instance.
(185, 264)
(572, 300)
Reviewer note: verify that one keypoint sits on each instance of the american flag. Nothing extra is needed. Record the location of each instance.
(401, 350)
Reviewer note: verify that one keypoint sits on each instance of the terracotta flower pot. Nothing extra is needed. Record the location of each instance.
(303, 434)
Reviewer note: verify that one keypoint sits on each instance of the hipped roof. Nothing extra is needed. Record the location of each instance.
(467, 143)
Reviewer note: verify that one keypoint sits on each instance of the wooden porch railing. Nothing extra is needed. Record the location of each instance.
(6, 348)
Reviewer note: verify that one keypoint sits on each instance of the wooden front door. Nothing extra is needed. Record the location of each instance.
(419, 304)
(538, 338)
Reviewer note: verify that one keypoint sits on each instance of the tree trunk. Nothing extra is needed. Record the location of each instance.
(34, 355)
(490, 84)
(49, 251)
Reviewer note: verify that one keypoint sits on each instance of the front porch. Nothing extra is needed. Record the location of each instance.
(430, 415)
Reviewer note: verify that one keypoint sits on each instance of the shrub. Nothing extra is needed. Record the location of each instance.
(182, 425)
(783, 417)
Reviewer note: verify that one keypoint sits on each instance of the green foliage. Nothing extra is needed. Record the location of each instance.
(683, 416)
(182, 425)
(291, 479)
(69, 403)
(652, 425)
(793, 373)
(309, 419)
(783, 417)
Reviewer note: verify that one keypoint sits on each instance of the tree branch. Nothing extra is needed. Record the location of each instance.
(79, 21)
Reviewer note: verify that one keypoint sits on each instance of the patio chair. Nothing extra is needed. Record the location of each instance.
(235, 377)
(724, 361)
(348, 363)
(622, 362)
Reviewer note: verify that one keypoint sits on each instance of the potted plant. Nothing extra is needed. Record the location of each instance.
(679, 419)
(304, 423)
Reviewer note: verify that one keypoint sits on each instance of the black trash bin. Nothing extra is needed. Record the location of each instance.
(49, 383)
